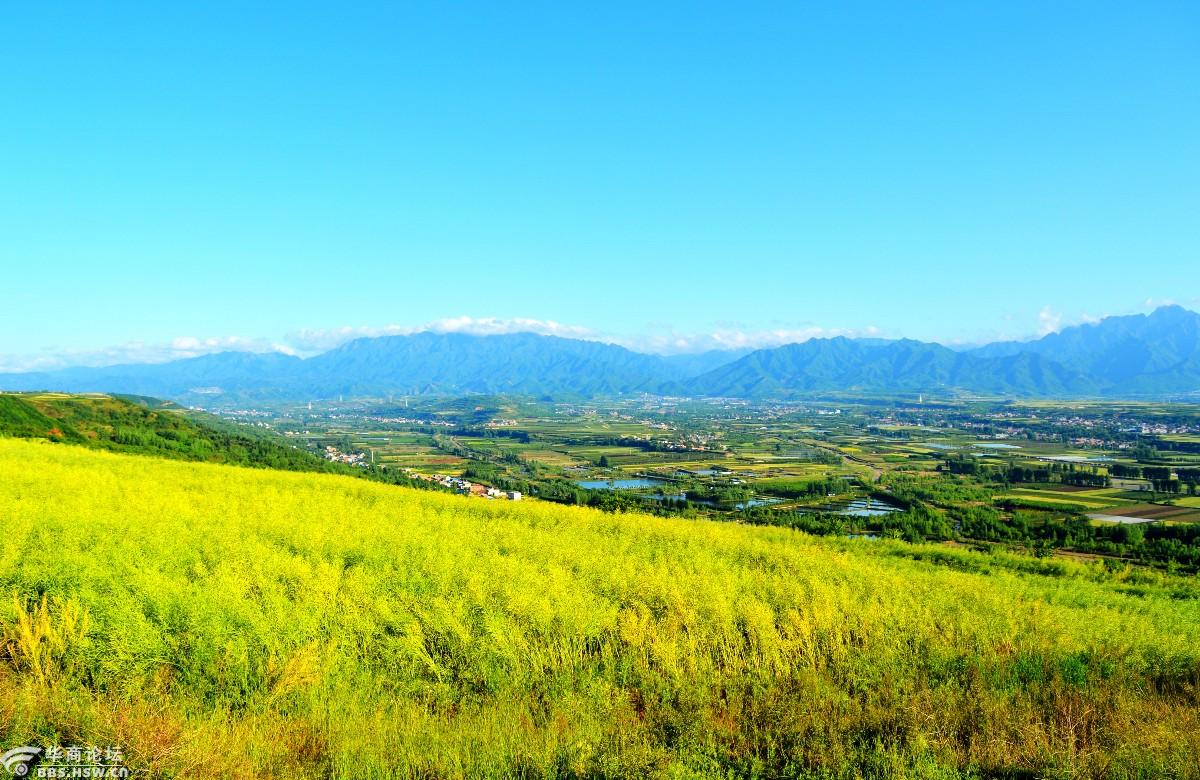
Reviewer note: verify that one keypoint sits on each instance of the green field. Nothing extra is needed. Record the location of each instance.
(1084, 499)
(225, 622)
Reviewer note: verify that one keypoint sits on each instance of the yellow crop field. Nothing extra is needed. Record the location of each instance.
(223, 622)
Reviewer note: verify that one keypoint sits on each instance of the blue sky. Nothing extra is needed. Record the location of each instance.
(675, 176)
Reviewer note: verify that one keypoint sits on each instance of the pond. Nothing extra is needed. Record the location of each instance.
(759, 501)
(1121, 519)
(1076, 459)
(620, 484)
(992, 445)
(858, 507)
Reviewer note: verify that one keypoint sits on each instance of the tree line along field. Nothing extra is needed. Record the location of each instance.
(217, 621)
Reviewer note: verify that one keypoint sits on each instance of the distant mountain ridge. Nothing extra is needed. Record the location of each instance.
(1141, 353)
(423, 363)
(456, 363)
(845, 364)
(1152, 355)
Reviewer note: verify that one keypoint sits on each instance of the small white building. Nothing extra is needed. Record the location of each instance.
(514, 495)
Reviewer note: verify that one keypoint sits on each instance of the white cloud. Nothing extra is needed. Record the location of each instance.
(489, 326)
(726, 338)
(659, 339)
(318, 340)
(304, 342)
(655, 337)
(1049, 321)
(50, 359)
(190, 346)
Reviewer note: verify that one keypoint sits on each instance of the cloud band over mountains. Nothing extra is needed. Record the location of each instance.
(311, 341)
(655, 338)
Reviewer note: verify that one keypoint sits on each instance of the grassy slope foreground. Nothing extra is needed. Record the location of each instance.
(218, 622)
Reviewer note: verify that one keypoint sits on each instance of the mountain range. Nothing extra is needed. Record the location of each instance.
(1154, 355)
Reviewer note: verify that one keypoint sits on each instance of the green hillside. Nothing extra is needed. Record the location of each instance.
(143, 426)
(226, 622)
(140, 425)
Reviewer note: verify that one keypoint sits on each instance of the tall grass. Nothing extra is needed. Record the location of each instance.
(225, 622)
